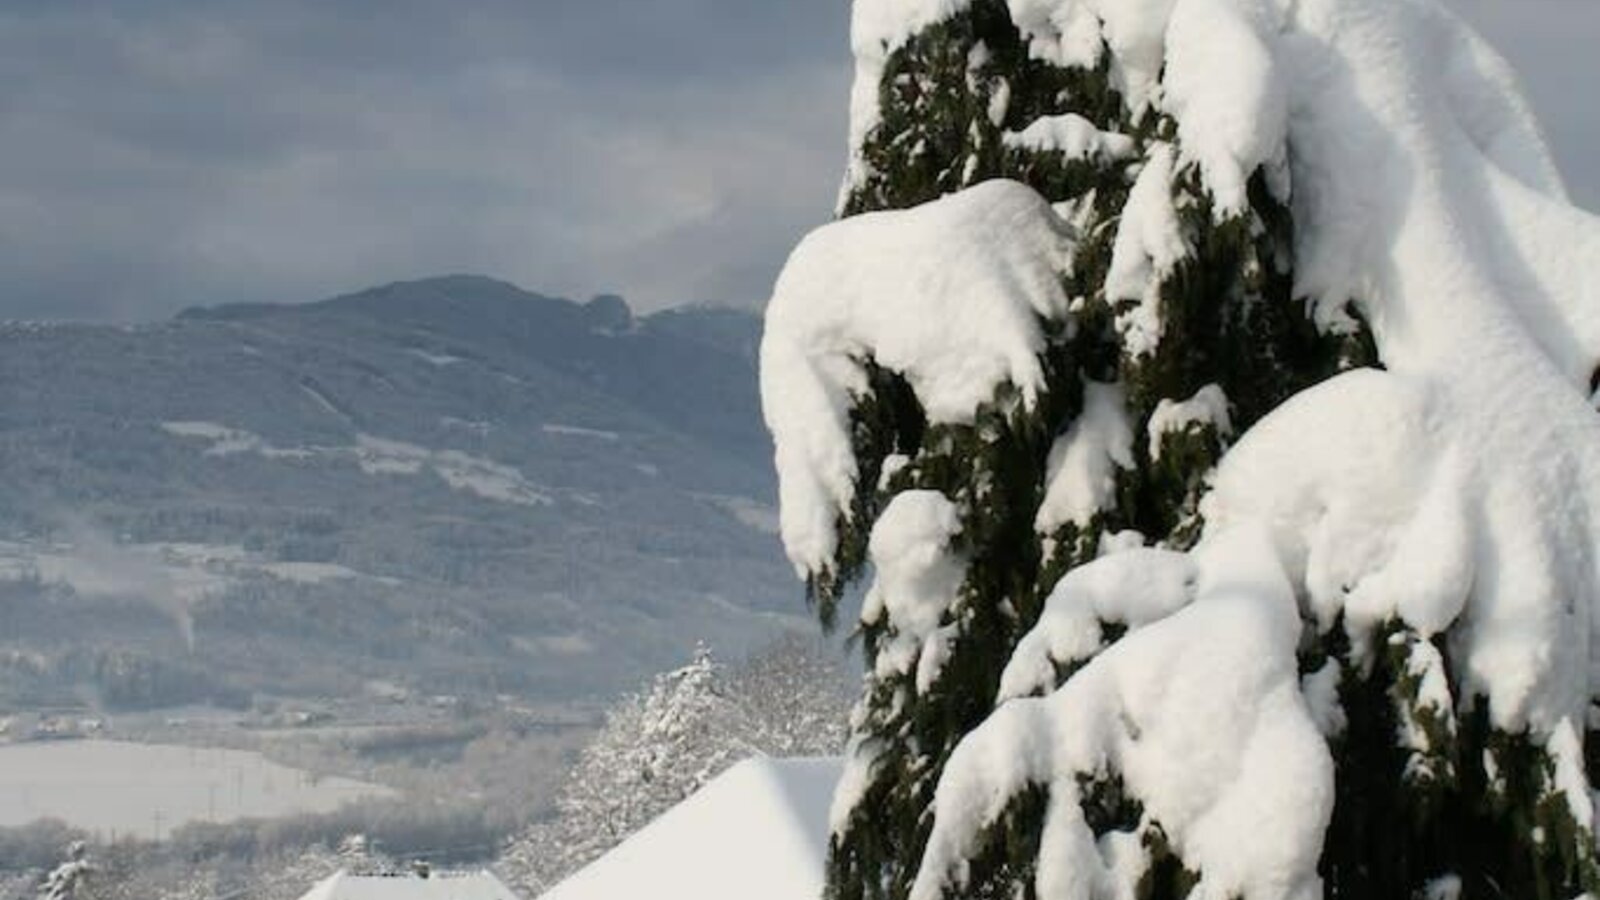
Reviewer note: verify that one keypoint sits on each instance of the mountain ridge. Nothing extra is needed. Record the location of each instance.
(503, 489)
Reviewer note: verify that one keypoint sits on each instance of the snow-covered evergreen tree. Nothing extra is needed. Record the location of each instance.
(1163, 604)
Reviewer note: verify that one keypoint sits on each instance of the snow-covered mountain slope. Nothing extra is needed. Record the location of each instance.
(496, 489)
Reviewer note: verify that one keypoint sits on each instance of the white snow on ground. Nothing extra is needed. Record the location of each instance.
(759, 830)
(185, 573)
(949, 294)
(439, 885)
(227, 441)
(220, 435)
(377, 456)
(147, 790)
(1459, 489)
(489, 480)
(380, 456)
(578, 431)
(435, 359)
(462, 471)
(308, 572)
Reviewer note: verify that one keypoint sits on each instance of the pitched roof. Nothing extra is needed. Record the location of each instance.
(440, 886)
(759, 830)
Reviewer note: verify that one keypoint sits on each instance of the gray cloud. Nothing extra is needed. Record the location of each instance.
(184, 152)
(174, 152)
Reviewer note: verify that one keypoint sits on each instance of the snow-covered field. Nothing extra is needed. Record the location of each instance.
(115, 788)
(379, 456)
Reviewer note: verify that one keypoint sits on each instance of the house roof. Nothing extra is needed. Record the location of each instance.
(759, 830)
(440, 886)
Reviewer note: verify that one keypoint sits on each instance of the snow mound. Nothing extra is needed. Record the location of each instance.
(949, 294)
(757, 830)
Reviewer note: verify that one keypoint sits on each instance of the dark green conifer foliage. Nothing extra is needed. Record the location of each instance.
(1403, 816)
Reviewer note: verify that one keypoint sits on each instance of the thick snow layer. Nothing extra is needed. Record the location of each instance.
(1244, 804)
(1223, 86)
(1461, 486)
(1131, 588)
(1081, 478)
(757, 830)
(1067, 34)
(949, 294)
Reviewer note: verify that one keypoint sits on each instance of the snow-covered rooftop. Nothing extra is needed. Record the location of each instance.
(758, 830)
(481, 885)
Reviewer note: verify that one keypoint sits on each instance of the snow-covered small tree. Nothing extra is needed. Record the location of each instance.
(661, 745)
(1167, 601)
(67, 880)
(655, 749)
(792, 700)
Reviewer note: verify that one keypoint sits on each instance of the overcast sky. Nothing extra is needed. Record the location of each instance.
(166, 153)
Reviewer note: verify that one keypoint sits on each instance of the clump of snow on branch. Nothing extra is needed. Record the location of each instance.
(1148, 246)
(949, 294)
(1244, 803)
(1208, 407)
(917, 584)
(1082, 470)
(1131, 588)
(918, 581)
(1223, 84)
(1074, 137)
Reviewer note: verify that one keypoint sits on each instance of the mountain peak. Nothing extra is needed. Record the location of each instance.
(608, 312)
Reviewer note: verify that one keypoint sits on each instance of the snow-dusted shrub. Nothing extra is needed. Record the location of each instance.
(662, 744)
(1206, 385)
